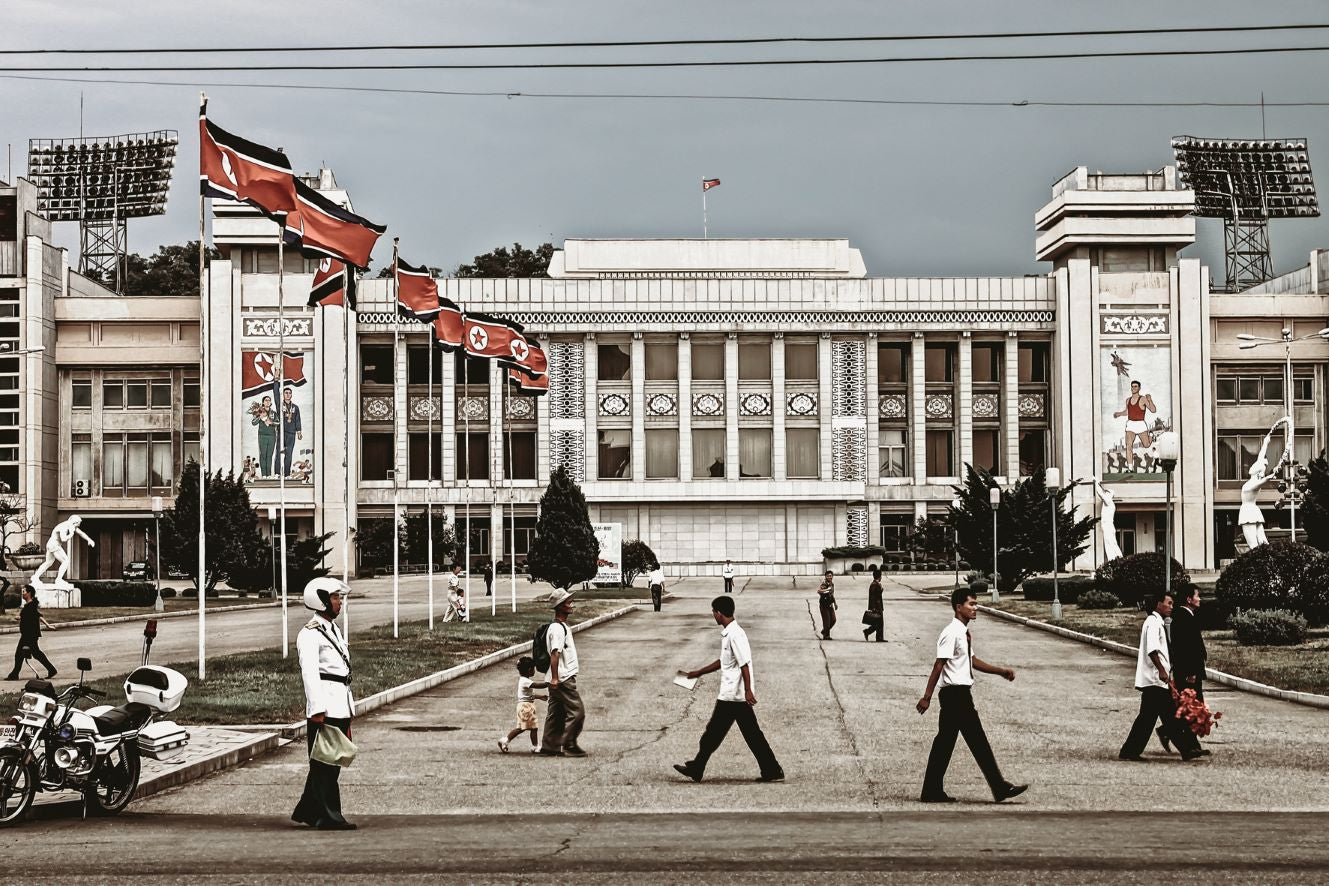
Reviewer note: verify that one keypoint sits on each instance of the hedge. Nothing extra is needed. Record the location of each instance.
(1139, 577)
(1269, 627)
(1279, 575)
(852, 551)
(1040, 588)
(118, 593)
(1096, 599)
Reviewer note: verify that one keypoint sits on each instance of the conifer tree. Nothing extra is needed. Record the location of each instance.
(235, 546)
(565, 550)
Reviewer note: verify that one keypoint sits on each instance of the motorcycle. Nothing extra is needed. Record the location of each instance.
(50, 745)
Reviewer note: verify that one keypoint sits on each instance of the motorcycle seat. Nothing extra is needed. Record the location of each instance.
(122, 719)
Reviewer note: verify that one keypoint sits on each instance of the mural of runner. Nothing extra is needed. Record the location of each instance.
(1135, 406)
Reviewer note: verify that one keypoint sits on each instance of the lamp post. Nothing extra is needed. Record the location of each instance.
(994, 499)
(159, 605)
(1249, 342)
(955, 535)
(1052, 479)
(272, 533)
(19, 352)
(1169, 450)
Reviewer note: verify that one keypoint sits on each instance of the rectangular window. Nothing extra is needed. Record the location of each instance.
(938, 363)
(425, 453)
(613, 362)
(417, 364)
(754, 452)
(471, 370)
(1033, 452)
(376, 364)
(803, 453)
(1237, 452)
(161, 392)
(940, 460)
(81, 393)
(1033, 362)
(893, 364)
(163, 469)
(895, 529)
(189, 450)
(113, 465)
(707, 361)
(1225, 388)
(192, 391)
(661, 453)
(754, 360)
(113, 394)
(707, 453)
(893, 452)
(800, 361)
(136, 394)
(376, 456)
(1273, 389)
(136, 461)
(81, 464)
(473, 456)
(987, 363)
(987, 450)
(615, 454)
(661, 361)
(1248, 389)
(519, 455)
(1303, 389)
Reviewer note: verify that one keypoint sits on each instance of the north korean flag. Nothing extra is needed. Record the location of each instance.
(491, 337)
(258, 372)
(233, 168)
(417, 292)
(532, 386)
(334, 284)
(527, 358)
(319, 227)
(449, 325)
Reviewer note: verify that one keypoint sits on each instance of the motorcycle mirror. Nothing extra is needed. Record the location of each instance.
(85, 664)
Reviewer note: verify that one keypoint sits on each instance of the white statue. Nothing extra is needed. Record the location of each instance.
(56, 546)
(1250, 518)
(1108, 522)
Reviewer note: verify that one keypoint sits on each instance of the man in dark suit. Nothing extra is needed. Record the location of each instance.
(30, 623)
(1188, 654)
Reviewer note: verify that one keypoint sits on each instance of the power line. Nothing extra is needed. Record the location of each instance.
(973, 103)
(715, 41)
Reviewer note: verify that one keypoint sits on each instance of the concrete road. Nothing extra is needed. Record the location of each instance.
(435, 793)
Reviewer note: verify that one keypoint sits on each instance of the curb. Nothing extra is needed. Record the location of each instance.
(119, 619)
(260, 744)
(1310, 699)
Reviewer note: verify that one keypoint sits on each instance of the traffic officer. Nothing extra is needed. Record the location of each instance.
(325, 667)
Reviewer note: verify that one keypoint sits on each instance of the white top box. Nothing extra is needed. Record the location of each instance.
(159, 688)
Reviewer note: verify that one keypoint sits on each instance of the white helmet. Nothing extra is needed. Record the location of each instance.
(319, 590)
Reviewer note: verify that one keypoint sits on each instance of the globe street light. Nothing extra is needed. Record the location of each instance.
(1168, 449)
(1052, 479)
(956, 504)
(994, 499)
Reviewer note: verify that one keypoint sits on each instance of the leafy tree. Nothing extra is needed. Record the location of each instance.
(416, 534)
(933, 540)
(1024, 526)
(520, 262)
(234, 544)
(637, 558)
(1314, 515)
(13, 519)
(565, 550)
(373, 539)
(171, 270)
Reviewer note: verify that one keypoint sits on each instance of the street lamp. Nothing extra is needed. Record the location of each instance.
(1052, 479)
(994, 499)
(1249, 342)
(956, 504)
(272, 533)
(1169, 450)
(159, 605)
(9, 351)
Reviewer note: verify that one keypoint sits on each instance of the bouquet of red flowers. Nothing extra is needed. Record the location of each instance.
(1195, 713)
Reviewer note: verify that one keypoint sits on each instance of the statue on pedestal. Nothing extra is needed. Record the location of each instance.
(1108, 521)
(1251, 519)
(56, 550)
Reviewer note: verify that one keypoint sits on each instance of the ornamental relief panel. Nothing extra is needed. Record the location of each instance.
(1032, 406)
(472, 409)
(848, 454)
(1133, 324)
(662, 404)
(568, 449)
(987, 406)
(374, 408)
(272, 326)
(754, 404)
(939, 406)
(615, 405)
(567, 379)
(848, 369)
(801, 404)
(707, 404)
(425, 409)
(856, 526)
(893, 406)
(520, 408)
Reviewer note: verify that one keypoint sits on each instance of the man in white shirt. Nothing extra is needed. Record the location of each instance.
(656, 581)
(565, 715)
(454, 594)
(734, 701)
(1153, 680)
(954, 670)
(728, 573)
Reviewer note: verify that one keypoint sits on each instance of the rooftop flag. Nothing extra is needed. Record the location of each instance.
(334, 284)
(417, 292)
(491, 337)
(319, 227)
(533, 386)
(449, 325)
(234, 168)
(528, 359)
(708, 183)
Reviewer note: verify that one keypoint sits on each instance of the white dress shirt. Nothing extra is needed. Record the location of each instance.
(734, 654)
(559, 639)
(728, 571)
(954, 646)
(656, 577)
(320, 647)
(1153, 638)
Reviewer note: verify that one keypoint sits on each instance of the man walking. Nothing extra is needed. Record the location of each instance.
(734, 702)
(1153, 680)
(954, 670)
(656, 581)
(728, 573)
(489, 578)
(1187, 650)
(30, 624)
(826, 603)
(565, 714)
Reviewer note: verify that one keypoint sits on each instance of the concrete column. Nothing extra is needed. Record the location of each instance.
(779, 453)
(400, 442)
(496, 385)
(592, 362)
(964, 406)
(1010, 407)
(873, 423)
(498, 527)
(542, 432)
(824, 407)
(918, 422)
(685, 408)
(731, 406)
(448, 421)
(638, 376)
(1192, 539)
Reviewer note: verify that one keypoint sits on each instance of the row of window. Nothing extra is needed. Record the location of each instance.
(377, 362)
(1263, 389)
(1237, 451)
(425, 457)
(893, 450)
(133, 393)
(132, 464)
(614, 361)
(939, 362)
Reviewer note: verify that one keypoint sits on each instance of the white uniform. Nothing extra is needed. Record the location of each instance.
(323, 651)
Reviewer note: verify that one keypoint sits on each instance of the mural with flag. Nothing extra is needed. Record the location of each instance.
(318, 227)
(334, 284)
(233, 168)
(266, 411)
(493, 338)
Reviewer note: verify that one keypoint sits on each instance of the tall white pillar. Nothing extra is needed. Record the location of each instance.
(779, 453)
(731, 406)
(918, 422)
(1010, 407)
(638, 376)
(685, 407)
(964, 407)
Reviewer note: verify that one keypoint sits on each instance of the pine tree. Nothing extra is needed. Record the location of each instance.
(235, 546)
(565, 550)
(416, 529)
(1313, 518)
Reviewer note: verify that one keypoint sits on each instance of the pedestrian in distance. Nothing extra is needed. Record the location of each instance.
(489, 578)
(455, 595)
(656, 580)
(526, 699)
(734, 702)
(875, 615)
(325, 669)
(566, 715)
(728, 574)
(954, 670)
(30, 624)
(1153, 680)
(826, 603)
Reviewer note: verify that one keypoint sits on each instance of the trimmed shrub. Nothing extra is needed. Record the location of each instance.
(28, 549)
(1139, 577)
(1269, 627)
(118, 593)
(1040, 588)
(167, 593)
(1096, 599)
(192, 594)
(1280, 575)
(13, 601)
(845, 552)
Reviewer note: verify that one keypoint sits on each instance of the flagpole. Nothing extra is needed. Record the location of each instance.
(466, 417)
(705, 228)
(396, 495)
(202, 425)
(502, 406)
(281, 420)
(512, 504)
(346, 450)
(429, 483)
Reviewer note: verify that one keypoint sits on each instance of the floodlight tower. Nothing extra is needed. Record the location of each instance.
(101, 182)
(1246, 182)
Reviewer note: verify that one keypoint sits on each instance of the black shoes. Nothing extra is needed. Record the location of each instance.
(1195, 754)
(543, 752)
(688, 772)
(774, 776)
(936, 798)
(1132, 758)
(1009, 791)
(336, 826)
(574, 752)
(1163, 739)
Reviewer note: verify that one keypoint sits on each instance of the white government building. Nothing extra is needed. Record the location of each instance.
(751, 399)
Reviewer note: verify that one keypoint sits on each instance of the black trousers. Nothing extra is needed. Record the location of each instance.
(657, 592)
(27, 646)
(1156, 704)
(320, 804)
(879, 629)
(1198, 685)
(959, 717)
(827, 619)
(729, 585)
(727, 713)
(564, 716)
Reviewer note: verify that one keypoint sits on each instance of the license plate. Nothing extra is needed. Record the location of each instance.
(8, 733)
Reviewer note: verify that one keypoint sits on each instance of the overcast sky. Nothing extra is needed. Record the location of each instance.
(922, 190)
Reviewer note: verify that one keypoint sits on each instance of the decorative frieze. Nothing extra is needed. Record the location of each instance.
(856, 526)
(662, 404)
(893, 406)
(848, 368)
(425, 409)
(568, 449)
(939, 406)
(1133, 324)
(472, 409)
(848, 454)
(754, 404)
(801, 403)
(1032, 406)
(272, 326)
(567, 380)
(987, 406)
(376, 408)
(615, 405)
(707, 404)
(520, 408)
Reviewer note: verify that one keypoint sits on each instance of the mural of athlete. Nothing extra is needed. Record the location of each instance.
(266, 419)
(1135, 411)
(291, 429)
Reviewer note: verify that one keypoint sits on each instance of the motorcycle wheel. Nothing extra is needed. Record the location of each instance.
(116, 781)
(18, 787)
